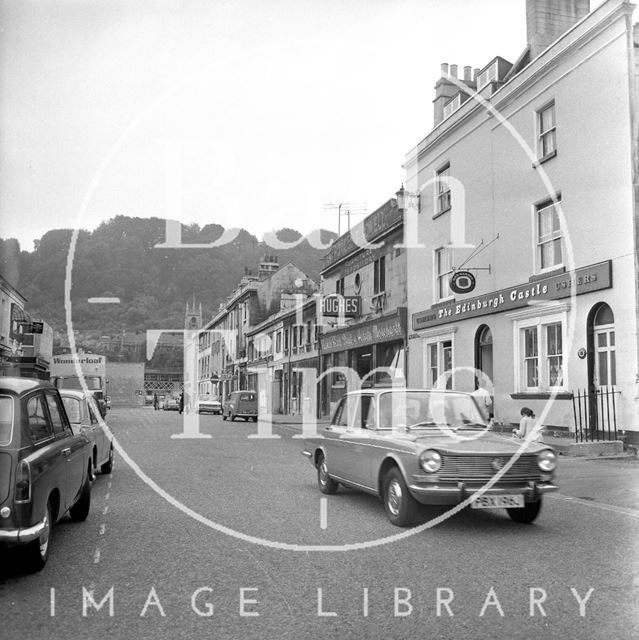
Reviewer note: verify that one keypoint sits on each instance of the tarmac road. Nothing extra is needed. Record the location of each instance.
(172, 575)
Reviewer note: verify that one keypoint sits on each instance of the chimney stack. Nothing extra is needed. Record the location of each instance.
(444, 91)
(546, 20)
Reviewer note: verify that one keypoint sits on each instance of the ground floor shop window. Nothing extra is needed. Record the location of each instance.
(539, 352)
(439, 361)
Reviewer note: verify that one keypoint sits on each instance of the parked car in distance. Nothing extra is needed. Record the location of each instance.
(83, 413)
(45, 467)
(208, 403)
(148, 399)
(240, 404)
(171, 403)
(414, 447)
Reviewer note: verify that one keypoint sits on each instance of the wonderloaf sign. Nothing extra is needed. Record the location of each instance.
(583, 280)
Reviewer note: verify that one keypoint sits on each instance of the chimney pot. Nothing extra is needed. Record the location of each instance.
(476, 72)
(467, 73)
(444, 69)
(453, 70)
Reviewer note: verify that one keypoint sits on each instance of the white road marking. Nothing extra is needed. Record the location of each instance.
(96, 556)
(102, 529)
(105, 510)
(104, 300)
(597, 505)
(106, 497)
(323, 513)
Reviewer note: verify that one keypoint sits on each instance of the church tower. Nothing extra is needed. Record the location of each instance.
(193, 315)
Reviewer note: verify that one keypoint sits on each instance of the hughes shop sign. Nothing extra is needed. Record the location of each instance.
(583, 280)
(335, 305)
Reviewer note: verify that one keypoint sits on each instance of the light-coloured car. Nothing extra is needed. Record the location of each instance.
(208, 403)
(84, 416)
(171, 403)
(414, 447)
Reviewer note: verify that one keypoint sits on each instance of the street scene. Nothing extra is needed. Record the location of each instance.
(319, 319)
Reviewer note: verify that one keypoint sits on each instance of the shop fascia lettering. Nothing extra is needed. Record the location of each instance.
(516, 295)
(583, 280)
(79, 360)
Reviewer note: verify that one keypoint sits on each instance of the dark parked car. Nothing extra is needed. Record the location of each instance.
(240, 404)
(414, 447)
(45, 467)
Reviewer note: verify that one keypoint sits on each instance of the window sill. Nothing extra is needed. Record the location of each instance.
(553, 271)
(541, 161)
(441, 213)
(541, 395)
(546, 273)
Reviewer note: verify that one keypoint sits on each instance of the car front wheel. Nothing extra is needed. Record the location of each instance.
(401, 508)
(326, 484)
(527, 514)
(37, 551)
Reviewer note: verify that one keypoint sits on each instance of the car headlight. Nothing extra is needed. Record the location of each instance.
(430, 461)
(547, 460)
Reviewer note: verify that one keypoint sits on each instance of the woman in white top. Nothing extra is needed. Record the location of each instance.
(527, 425)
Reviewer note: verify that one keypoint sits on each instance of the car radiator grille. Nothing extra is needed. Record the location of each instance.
(481, 468)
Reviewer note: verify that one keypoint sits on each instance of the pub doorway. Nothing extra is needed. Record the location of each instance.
(484, 353)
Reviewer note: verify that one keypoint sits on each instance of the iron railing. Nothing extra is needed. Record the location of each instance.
(595, 414)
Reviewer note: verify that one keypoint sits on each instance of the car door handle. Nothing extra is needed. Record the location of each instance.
(66, 452)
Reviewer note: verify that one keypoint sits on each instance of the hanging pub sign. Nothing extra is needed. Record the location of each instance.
(335, 305)
(462, 282)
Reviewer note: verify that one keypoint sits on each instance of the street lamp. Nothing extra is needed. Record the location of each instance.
(406, 199)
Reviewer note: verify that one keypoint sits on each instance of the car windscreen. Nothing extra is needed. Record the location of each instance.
(93, 383)
(72, 407)
(428, 409)
(6, 420)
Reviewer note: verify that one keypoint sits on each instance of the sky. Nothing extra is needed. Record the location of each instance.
(243, 113)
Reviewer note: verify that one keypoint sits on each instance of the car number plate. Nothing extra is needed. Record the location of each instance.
(498, 502)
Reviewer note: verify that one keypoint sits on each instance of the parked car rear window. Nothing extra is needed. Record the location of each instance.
(54, 411)
(247, 396)
(39, 424)
(6, 420)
